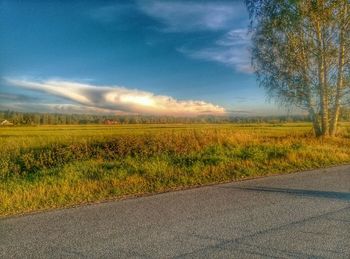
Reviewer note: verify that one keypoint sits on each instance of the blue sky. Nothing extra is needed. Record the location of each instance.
(138, 57)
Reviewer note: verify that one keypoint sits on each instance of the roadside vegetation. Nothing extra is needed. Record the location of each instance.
(56, 166)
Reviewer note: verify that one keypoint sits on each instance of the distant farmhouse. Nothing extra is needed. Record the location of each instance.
(110, 122)
(6, 123)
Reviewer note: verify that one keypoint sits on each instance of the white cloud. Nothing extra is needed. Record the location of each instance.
(231, 50)
(191, 15)
(119, 99)
(235, 37)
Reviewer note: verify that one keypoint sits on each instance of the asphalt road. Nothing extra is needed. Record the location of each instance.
(303, 215)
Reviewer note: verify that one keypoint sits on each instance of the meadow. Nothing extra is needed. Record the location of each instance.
(43, 167)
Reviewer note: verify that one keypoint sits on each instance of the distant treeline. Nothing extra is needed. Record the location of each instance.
(24, 118)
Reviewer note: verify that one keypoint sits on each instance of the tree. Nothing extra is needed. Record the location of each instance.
(301, 55)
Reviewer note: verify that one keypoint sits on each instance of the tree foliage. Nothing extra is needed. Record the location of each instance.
(301, 55)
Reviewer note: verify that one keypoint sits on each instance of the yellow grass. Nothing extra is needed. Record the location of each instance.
(57, 166)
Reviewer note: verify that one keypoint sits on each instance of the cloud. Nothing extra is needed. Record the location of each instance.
(235, 37)
(191, 15)
(119, 99)
(211, 17)
(231, 50)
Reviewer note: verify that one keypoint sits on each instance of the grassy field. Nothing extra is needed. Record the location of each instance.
(57, 166)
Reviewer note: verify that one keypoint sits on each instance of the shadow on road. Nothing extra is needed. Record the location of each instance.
(345, 196)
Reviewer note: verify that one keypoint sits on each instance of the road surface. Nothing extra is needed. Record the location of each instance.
(298, 215)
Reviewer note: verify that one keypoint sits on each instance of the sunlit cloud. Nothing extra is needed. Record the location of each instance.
(118, 99)
(192, 15)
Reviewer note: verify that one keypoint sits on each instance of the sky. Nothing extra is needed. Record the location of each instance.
(160, 57)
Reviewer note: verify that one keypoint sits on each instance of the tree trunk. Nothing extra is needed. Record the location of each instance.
(340, 76)
(325, 99)
(315, 122)
(308, 92)
(322, 83)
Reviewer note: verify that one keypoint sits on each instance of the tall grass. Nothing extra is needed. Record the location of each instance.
(48, 167)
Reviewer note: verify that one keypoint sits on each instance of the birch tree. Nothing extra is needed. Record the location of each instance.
(301, 55)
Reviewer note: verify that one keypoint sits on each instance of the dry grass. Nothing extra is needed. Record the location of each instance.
(57, 166)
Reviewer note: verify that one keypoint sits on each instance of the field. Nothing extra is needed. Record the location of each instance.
(56, 166)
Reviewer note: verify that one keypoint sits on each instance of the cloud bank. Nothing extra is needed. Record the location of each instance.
(118, 99)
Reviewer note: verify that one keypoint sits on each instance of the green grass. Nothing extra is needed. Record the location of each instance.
(56, 166)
